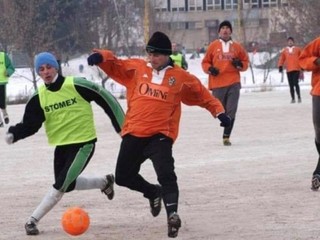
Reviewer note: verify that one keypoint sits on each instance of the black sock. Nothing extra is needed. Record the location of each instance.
(171, 202)
(317, 170)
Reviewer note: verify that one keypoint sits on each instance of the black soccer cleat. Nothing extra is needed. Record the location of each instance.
(174, 223)
(6, 118)
(226, 142)
(155, 203)
(315, 182)
(109, 188)
(31, 228)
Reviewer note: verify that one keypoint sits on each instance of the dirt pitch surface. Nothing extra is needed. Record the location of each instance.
(259, 188)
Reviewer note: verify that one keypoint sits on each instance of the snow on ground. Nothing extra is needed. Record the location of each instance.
(259, 188)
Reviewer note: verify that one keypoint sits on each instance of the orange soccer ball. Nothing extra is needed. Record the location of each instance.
(75, 221)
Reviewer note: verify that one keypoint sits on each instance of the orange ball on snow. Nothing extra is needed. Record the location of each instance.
(75, 221)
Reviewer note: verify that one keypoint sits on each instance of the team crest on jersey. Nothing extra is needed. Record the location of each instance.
(172, 81)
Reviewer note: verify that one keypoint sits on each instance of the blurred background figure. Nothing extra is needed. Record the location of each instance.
(289, 57)
(6, 70)
(178, 57)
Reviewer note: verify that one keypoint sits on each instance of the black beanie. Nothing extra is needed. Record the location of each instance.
(159, 43)
(225, 23)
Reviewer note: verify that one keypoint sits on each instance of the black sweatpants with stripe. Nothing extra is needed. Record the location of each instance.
(293, 79)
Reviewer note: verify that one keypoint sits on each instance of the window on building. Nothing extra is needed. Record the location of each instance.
(264, 22)
(194, 25)
(269, 3)
(195, 5)
(251, 4)
(231, 4)
(178, 25)
(177, 5)
(213, 4)
(252, 23)
(161, 5)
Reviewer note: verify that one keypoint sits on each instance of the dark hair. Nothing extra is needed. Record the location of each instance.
(225, 23)
(290, 38)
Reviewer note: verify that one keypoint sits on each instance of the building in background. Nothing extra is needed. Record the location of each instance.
(194, 23)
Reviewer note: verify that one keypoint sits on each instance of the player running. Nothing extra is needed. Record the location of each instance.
(155, 91)
(63, 105)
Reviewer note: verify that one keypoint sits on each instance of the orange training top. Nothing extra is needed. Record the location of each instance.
(219, 55)
(289, 57)
(155, 106)
(307, 60)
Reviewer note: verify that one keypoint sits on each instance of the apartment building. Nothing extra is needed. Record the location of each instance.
(194, 23)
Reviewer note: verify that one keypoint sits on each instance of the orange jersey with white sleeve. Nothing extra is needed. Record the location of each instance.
(219, 55)
(289, 57)
(154, 97)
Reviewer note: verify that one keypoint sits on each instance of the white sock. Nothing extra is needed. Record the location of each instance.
(1, 120)
(85, 183)
(47, 203)
(4, 111)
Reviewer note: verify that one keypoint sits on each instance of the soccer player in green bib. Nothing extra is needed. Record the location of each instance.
(62, 104)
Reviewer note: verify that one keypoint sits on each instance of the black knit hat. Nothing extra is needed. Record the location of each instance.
(225, 23)
(159, 43)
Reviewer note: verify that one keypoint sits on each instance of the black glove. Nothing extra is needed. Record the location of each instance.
(236, 62)
(95, 59)
(224, 119)
(317, 61)
(280, 69)
(213, 71)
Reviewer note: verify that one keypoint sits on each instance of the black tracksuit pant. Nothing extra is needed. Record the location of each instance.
(293, 79)
(133, 152)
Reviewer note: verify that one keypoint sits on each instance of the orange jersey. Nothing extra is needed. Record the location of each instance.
(289, 57)
(307, 62)
(220, 54)
(156, 107)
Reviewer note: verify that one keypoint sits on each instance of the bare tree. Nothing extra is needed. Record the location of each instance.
(63, 27)
(243, 17)
(31, 29)
(300, 19)
(118, 27)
